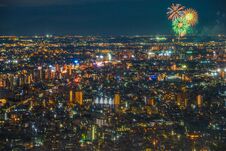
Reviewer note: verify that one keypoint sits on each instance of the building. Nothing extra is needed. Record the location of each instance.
(117, 99)
(199, 100)
(151, 102)
(181, 100)
(70, 96)
(79, 97)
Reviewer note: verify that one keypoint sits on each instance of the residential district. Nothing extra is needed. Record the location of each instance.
(113, 93)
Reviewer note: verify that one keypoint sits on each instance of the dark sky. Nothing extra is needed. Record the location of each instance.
(104, 17)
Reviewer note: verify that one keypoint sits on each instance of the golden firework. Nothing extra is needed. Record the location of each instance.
(191, 16)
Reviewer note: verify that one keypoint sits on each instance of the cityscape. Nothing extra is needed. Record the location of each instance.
(153, 92)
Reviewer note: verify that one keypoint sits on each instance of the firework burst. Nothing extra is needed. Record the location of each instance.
(175, 11)
(181, 27)
(191, 16)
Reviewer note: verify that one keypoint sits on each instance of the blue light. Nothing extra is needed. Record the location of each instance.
(153, 77)
(76, 61)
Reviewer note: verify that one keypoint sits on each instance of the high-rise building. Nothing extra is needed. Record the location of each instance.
(70, 69)
(29, 79)
(71, 96)
(40, 72)
(46, 74)
(79, 97)
(52, 74)
(57, 68)
(181, 100)
(117, 99)
(222, 74)
(199, 100)
(93, 132)
(65, 67)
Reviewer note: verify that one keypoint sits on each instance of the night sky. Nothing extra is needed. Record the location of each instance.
(104, 17)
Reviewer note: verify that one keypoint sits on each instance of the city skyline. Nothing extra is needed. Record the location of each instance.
(112, 75)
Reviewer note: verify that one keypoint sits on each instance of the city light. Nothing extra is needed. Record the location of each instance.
(95, 76)
(76, 61)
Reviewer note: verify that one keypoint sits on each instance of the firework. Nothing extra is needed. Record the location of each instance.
(191, 16)
(181, 27)
(175, 11)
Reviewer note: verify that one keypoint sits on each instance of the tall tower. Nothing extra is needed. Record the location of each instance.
(116, 99)
(79, 97)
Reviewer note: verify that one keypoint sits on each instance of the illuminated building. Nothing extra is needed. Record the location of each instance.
(222, 74)
(101, 122)
(65, 67)
(199, 100)
(71, 96)
(70, 69)
(93, 133)
(103, 101)
(28, 79)
(79, 97)
(40, 72)
(46, 74)
(174, 67)
(181, 100)
(11, 82)
(57, 68)
(117, 99)
(2, 83)
(52, 74)
(60, 76)
(151, 102)
(2, 102)
(31, 105)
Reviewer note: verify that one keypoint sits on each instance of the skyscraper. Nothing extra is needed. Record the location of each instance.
(70, 96)
(117, 99)
(79, 97)
(199, 100)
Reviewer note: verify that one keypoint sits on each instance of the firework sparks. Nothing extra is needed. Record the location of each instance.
(181, 26)
(191, 16)
(175, 11)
